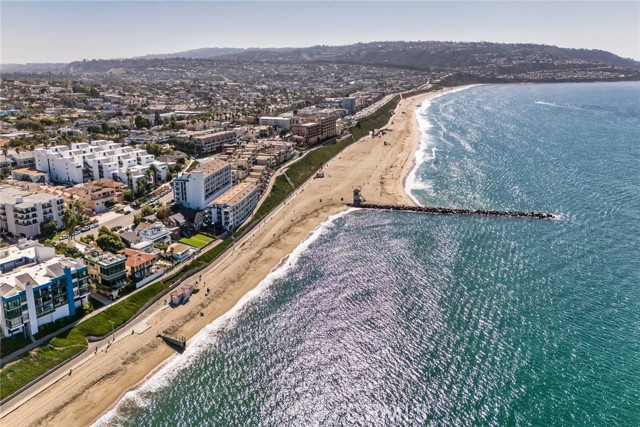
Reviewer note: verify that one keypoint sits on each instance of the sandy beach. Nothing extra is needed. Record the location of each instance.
(100, 379)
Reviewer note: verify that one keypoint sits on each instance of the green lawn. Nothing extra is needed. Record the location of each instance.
(198, 240)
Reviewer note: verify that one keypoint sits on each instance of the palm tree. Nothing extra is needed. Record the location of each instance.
(129, 183)
(153, 171)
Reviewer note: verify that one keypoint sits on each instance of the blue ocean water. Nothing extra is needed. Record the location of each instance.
(396, 318)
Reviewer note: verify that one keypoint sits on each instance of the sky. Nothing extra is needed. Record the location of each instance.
(64, 31)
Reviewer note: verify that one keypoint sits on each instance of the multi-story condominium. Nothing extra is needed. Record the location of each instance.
(108, 271)
(280, 122)
(309, 133)
(196, 189)
(210, 141)
(37, 288)
(84, 162)
(328, 127)
(233, 207)
(21, 212)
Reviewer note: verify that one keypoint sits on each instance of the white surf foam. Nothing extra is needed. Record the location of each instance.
(427, 149)
(162, 376)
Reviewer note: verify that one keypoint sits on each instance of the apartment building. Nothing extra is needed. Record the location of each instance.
(233, 207)
(308, 133)
(98, 159)
(37, 288)
(197, 188)
(21, 212)
(283, 123)
(108, 271)
(211, 141)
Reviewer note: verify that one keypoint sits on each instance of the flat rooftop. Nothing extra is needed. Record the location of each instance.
(235, 194)
(210, 166)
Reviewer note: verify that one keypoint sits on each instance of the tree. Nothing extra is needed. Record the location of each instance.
(129, 181)
(128, 195)
(146, 210)
(48, 229)
(163, 212)
(142, 122)
(109, 241)
(153, 171)
(70, 221)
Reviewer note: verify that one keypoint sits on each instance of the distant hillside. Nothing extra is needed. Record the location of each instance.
(206, 52)
(438, 55)
(452, 62)
(41, 68)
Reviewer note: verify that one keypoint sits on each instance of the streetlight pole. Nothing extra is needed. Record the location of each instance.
(113, 334)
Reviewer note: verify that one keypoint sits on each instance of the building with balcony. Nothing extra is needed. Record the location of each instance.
(97, 195)
(233, 207)
(108, 271)
(22, 212)
(211, 141)
(37, 288)
(307, 133)
(155, 233)
(83, 162)
(139, 264)
(196, 189)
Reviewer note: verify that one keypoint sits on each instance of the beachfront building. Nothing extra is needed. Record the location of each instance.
(308, 133)
(108, 271)
(156, 233)
(233, 207)
(21, 212)
(139, 264)
(196, 189)
(211, 141)
(98, 159)
(37, 288)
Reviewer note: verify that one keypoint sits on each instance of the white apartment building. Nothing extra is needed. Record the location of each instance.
(21, 212)
(196, 189)
(37, 288)
(84, 162)
(233, 207)
(280, 122)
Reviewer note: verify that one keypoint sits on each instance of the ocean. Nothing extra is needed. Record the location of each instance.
(405, 319)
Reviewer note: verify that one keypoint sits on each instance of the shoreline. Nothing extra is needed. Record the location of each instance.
(101, 381)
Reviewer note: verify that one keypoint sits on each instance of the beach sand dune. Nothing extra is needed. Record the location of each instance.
(97, 384)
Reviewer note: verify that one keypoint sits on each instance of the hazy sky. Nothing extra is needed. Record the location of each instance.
(56, 31)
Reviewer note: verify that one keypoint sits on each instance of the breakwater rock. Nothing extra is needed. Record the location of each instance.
(453, 211)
